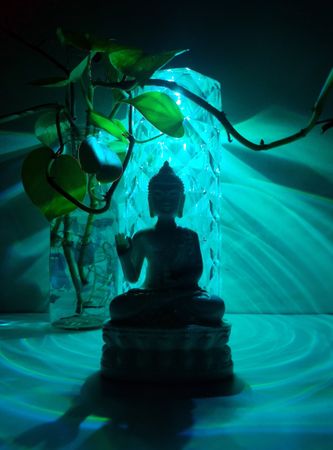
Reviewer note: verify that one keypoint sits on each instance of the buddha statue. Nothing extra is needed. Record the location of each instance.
(170, 295)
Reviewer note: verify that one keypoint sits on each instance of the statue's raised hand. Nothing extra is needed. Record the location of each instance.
(123, 243)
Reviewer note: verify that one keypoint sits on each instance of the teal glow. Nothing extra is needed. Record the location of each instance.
(288, 390)
(195, 159)
(275, 219)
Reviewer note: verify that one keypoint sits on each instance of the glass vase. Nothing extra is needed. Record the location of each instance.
(196, 159)
(83, 263)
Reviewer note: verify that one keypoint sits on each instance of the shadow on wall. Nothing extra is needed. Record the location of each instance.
(277, 214)
(24, 249)
(287, 173)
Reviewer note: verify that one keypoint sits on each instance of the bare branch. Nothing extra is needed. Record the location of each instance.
(39, 50)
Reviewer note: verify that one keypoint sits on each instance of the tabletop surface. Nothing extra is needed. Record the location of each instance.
(53, 397)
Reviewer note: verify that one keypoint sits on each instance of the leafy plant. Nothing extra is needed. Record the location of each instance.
(72, 160)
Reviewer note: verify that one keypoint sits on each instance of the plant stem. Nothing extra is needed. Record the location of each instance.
(91, 88)
(83, 248)
(114, 111)
(67, 246)
(220, 115)
(89, 96)
(72, 103)
(87, 233)
(54, 230)
(37, 49)
(148, 140)
(85, 95)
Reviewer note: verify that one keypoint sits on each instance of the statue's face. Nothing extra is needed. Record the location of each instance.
(165, 201)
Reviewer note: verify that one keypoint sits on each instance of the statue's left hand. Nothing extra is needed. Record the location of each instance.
(123, 243)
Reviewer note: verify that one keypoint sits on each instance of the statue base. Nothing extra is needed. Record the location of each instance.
(189, 353)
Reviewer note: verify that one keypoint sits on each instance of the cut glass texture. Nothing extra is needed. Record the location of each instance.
(196, 159)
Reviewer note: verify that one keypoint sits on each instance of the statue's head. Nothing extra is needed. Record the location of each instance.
(166, 193)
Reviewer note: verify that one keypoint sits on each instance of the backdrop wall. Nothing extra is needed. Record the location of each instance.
(277, 212)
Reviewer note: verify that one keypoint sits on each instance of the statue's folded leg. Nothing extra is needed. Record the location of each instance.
(202, 309)
(139, 306)
(128, 306)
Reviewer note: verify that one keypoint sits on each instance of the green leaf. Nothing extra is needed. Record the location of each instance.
(328, 86)
(46, 129)
(112, 126)
(140, 65)
(59, 82)
(112, 74)
(78, 71)
(161, 111)
(66, 172)
(52, 82)
(125, 59)
(121, 126)
(118, 147)
(87, 41)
